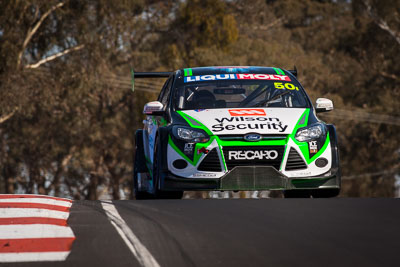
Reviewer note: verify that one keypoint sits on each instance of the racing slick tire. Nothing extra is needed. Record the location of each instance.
(139, 166)
(297, 193)
(315, 193)
(331, 192)
(325, 193)
(158, 173)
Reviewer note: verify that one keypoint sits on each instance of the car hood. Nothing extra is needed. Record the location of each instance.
(237, 121)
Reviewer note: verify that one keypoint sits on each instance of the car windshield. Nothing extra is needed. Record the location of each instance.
(237, 94)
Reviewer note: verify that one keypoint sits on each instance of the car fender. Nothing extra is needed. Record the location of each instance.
(163, 134)
(334, 145)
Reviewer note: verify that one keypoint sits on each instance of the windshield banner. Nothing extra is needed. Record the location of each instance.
(241, 76)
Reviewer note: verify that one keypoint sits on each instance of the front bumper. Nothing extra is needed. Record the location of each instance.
(252, 178)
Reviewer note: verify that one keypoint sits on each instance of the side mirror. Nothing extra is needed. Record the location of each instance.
(154, 108)
(323, 105)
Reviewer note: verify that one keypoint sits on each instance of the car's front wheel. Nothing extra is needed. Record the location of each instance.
(139, 167)
(303, 193)
(325, 193)
(315, 193)
(157, 176)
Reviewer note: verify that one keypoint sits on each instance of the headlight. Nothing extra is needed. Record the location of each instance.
(311, 132)
(190, 135)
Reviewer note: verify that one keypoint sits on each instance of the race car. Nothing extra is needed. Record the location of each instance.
(235, 128)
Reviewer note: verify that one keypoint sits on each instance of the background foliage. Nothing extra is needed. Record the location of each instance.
(67, 115)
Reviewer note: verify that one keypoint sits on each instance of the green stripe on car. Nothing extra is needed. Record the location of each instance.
(302, 122)
(194, 123)
(188, 72)
(198, 146)
(279, 71)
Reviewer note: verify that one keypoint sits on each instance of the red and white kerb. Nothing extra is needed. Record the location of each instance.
(34, 228)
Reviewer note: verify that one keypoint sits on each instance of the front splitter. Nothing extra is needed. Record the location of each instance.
(250, 178)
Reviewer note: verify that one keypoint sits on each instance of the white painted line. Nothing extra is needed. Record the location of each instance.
(136, 247)
(37, 201)
(22, 213)
(18, 231)
(33, 256)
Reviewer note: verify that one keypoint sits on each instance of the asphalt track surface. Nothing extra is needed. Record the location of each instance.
(239, 232)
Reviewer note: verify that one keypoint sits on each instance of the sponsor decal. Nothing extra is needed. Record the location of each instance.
(263, 77)
(251, 154)
(288, 86)
(188, 149)
(257, 123)
(247, 112)
(202, 150)
(313, 147)
(199, 110)
(242, 76)
(252, 137)
(205, 175)
(303, 173)
(211, 77)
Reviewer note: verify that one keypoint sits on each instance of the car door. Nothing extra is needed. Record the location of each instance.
(152, 123)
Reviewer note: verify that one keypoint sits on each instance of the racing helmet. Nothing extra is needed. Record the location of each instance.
(203, 99)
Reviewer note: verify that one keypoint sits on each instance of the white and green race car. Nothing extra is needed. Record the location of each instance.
(235, 128)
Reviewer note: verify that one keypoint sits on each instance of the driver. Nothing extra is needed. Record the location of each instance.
(203, 99)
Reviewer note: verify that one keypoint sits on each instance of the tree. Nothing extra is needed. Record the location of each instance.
(67, 116)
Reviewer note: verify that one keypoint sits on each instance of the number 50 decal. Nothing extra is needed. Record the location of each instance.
(288, 86)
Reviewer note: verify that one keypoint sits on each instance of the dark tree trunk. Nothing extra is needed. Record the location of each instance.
(92, 189)
(116, 195)
(9, 175)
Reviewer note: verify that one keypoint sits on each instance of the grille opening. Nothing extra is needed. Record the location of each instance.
(294, 161)
(240, 137)
(276, 163)
(211, 162)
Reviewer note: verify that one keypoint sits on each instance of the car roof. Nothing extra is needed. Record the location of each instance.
(230, 69)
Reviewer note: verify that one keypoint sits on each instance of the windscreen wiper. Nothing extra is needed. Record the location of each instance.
(266, 101)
